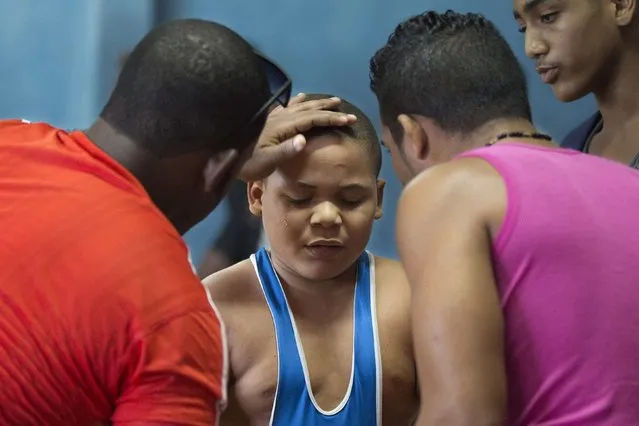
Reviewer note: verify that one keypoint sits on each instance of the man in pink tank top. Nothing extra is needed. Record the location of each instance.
(521, 256)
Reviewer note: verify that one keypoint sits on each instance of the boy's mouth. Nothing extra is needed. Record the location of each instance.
(326, 243)
(325, 249)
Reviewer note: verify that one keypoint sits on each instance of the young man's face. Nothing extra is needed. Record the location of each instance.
(401, 165)
(318, 210)
(573, 42)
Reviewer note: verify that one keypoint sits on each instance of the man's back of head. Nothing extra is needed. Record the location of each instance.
(453, 68)
(187, 86)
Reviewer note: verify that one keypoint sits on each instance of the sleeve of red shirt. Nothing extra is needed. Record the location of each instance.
(177, 377)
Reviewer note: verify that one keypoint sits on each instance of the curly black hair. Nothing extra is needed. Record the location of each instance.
(454, 68)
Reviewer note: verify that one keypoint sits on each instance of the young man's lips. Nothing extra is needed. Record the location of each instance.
(548, 75)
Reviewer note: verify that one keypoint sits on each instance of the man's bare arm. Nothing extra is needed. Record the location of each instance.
(445, 246)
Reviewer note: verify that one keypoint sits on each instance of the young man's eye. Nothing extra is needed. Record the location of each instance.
(548, 18)
(545, 18)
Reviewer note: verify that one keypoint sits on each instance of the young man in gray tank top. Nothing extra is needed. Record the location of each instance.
(583, 47)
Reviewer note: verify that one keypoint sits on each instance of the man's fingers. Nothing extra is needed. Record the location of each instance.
(305, 122)
(319, 104)
(291, 147)
(269, 158)
(293, 101)
(296, 99)
(275, 109)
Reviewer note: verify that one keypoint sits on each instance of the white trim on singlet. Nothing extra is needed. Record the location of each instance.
(307, 378)
(190, 258)
(277, 343)
(378, 353)
(300, 348)
(221, 404)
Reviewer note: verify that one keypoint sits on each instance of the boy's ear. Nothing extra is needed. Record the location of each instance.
(254, 192)
(381, 184)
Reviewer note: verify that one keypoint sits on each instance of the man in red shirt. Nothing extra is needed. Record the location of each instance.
(102, 319)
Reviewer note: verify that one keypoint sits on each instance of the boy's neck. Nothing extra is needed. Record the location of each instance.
(317, 298)
(336, 284)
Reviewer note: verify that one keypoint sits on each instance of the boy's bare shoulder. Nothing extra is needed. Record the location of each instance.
(390, 271)
(393, 292)
(237, 294)
(235, 285)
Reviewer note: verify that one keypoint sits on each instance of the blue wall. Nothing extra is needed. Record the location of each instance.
(59, 60)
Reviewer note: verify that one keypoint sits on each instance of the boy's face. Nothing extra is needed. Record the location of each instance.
(573, 42)
(318, 209)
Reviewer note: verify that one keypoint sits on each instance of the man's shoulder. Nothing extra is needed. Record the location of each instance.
(466, 183)
(139, 261)
(21, 128)
(67, 195)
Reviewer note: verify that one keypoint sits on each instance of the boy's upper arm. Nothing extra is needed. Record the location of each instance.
(229, 290)
(234, 415)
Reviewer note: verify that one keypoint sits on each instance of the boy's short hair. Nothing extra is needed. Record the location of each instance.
(362, 131)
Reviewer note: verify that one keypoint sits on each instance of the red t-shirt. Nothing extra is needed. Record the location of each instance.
(101, 316)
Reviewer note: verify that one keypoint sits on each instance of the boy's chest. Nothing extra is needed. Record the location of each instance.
(327, 350)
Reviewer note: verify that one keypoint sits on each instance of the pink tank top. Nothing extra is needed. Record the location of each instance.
(567, 266)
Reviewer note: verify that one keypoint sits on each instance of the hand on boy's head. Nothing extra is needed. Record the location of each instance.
(282, 136)
(294, 100)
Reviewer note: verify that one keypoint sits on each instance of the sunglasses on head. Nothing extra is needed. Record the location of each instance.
(280, 86)
(279, 83)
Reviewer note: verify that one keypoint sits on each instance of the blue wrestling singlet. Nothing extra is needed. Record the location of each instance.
(294, 403)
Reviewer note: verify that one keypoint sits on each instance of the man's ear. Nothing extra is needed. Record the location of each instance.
(381, 184)
(254, 192)
(219, 169)
(624, 11)
(414, 139)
